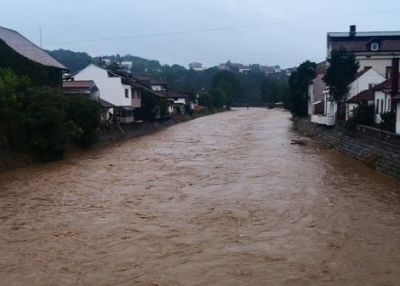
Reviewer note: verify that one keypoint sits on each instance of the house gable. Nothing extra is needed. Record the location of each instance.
(110, 86)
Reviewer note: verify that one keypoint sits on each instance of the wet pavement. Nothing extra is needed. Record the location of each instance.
(221, 200)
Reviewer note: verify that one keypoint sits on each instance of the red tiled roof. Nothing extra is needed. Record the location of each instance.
(362, 44)
(362, 96)
(79, 84)
(386, 85)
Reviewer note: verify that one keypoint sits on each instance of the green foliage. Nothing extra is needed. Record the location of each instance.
(363, 114)
(205, 100)
(40, 121)
(225, 88)
(342, 70)
(149, 105)
(297, 100)
(46, 133)
(273, 89)
(83, 115)
(388, 121)
(12, 119)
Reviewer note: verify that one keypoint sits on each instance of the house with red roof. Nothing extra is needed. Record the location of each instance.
(361, 89)
(374, 49)
(376, 53)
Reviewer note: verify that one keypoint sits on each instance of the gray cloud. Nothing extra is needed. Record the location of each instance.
(287, 44)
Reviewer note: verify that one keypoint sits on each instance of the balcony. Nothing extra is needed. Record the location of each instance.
(328, 120)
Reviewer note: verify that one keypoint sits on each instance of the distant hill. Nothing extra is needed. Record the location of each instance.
(180, 78)
(74, 61)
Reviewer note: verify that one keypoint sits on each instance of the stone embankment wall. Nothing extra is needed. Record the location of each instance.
(379, 149)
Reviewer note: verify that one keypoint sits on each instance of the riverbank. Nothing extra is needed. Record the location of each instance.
(376, 148)
(11, 160)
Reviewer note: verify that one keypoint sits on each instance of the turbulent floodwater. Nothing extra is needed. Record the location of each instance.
(221, 200)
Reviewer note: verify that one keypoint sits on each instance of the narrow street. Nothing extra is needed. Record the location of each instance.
(221, 200)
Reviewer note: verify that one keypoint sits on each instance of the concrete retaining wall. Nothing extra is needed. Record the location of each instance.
(378, 149)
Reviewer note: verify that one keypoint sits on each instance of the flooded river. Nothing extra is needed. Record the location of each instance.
(221, 200)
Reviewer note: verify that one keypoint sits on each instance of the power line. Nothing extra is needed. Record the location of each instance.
(188, 32)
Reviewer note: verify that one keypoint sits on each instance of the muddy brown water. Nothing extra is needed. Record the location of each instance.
(221, 200)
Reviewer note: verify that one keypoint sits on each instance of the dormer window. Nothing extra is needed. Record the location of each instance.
(374, 46)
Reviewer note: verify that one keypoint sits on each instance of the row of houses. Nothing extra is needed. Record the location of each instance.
(377, 80)
(118, 91)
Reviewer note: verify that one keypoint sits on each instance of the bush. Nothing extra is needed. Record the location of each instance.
(40, 121)
(388, 121)
(363, 114)
(83, 115)
(46, 133)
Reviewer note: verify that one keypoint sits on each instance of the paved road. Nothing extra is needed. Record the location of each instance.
(221, 200)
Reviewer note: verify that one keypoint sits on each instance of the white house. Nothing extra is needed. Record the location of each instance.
(365, 80)
(372, 49)
(385, 99)
(115, 89)
(178, 101)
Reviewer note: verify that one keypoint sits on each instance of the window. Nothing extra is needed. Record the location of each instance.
(126, 93)
(374, 47)
(377, 107)
(381, 105)
(389, 107)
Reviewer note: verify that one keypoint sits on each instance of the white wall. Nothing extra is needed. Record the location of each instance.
(362, 83)
(310, 99)
(156, 87)
(378, 63)
(382, 105)
(136, 98)
(398, 118)
(180, 101)
(111, 88)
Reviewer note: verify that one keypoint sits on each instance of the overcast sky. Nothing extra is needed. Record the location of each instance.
(285, 32)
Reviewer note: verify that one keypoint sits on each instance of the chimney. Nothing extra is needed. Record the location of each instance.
(395, 77)
(353, 30)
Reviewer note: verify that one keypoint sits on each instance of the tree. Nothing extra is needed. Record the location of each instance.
(83, 115)
(342, 70)
(46, 129)
(363, 114)
(12, 119)
(388, 121)
(273, 89)
(225, 88)
(74, 61)
(297, 101)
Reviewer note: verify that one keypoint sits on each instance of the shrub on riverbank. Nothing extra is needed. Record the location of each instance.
(83, 117)
(39, 121)
(363, 114)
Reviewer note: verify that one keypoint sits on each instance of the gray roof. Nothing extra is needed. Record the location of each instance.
(366, 34)
(26, 48)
